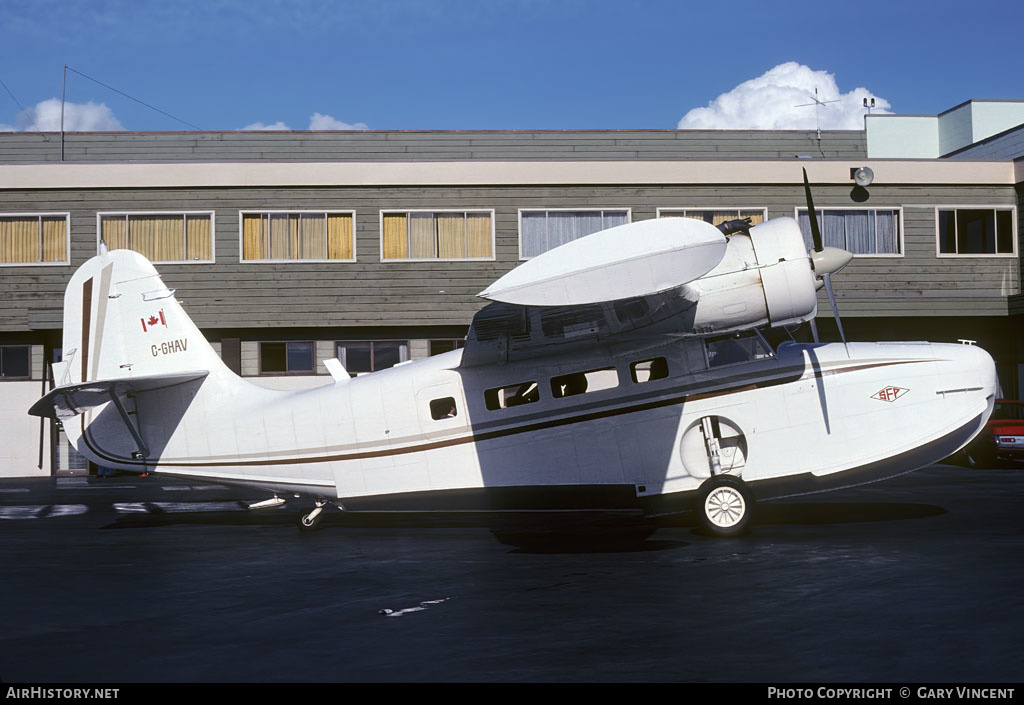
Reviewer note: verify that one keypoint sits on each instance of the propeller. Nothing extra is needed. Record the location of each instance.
(826, 261)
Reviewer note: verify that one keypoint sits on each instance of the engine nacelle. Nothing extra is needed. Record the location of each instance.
(765, 278)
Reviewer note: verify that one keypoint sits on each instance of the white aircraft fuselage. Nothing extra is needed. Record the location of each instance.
(810, 417)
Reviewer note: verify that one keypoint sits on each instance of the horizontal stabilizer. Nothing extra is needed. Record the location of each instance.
(71, 400)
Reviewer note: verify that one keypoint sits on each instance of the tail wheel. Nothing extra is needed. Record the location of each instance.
(724, 505)
(310, 521)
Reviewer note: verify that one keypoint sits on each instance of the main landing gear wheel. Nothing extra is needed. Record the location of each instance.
(310, 521)
(724, 505)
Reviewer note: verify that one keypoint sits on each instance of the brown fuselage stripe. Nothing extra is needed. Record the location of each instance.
(501, 433)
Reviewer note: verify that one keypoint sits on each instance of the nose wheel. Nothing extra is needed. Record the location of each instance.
(724, 505)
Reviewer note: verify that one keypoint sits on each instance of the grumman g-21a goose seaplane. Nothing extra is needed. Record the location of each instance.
(624, 369)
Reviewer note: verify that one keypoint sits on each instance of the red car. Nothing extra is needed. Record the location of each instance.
(1002, 438)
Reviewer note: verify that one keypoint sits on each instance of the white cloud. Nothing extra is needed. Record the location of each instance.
(78, 117)
(260, 126)
(769, 102)
(317, 121)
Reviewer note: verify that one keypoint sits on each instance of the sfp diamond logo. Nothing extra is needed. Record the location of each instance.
(890, 393)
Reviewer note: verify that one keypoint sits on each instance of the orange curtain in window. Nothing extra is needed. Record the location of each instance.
(394, 243)
(19, 239)
(114, 232)
(279, 236)
(161, 238)
(339, 236)
(478, 233)
(252, 237)
(198, 238)
(451, 235)
(54, 239)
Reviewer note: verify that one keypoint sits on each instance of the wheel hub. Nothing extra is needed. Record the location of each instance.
(725, 507)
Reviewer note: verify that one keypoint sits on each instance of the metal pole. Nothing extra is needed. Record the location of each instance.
(63, 90)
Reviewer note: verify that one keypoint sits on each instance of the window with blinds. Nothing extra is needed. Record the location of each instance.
(715, 216)
(34, 239)
(543, 230)
(160, 237)
(426, 235)
(271, 236)
(861, 231)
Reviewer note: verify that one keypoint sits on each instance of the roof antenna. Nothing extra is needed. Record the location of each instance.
(817, 111)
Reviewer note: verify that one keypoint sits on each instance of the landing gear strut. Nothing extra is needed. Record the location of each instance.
(310, 521)
(724, 505)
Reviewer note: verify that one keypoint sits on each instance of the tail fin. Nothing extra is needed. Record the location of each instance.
(122, 322)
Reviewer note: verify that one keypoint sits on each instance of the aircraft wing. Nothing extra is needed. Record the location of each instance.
(70, 400)
(625, 281)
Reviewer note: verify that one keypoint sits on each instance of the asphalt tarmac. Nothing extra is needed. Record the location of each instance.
(123, 580)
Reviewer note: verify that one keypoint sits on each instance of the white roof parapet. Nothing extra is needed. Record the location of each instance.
(480, 173)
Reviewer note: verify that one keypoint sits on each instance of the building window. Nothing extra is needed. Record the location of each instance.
(15, 362)
(715, 216)
(543, 230)
(160, 237)
(976, 231)
(34, 239)
(860, 231)
(426, 235)
(436, 347)
(300, 235)
(362, 356)
(287, 358)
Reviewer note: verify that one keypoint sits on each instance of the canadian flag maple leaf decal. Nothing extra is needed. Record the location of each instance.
(153, 320)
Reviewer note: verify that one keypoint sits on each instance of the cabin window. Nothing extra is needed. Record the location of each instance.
(287, 358)
(443, 409)
(273, 236)
(512, 395)
(543, 230)
(731, 349)
(160, 237)
(362, 356)
(437, 347)
(715, 216)
(15, 361)
(584, 382)
(648, 370)
(860, 231)
(976, 231)
(429, 235)
(34, 239)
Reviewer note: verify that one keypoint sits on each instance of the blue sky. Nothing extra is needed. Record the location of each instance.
(490, 64)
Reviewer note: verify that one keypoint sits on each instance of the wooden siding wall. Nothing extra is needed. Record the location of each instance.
(29, 147)
(370, 293)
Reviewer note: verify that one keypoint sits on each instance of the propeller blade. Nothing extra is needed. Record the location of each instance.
(815, 232)
(835, 309)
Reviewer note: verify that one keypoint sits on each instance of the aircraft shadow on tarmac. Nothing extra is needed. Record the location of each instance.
(546, 533)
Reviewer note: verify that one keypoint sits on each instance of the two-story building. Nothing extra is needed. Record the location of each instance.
(288, 248)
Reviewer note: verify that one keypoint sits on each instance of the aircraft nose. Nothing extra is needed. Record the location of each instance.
(977, 367)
